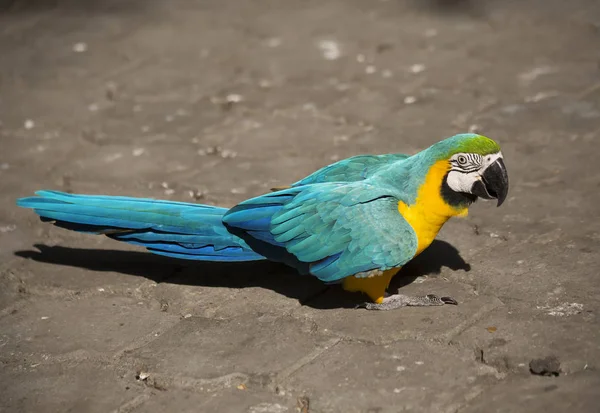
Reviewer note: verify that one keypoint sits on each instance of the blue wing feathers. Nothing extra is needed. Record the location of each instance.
(333, 228)
(169, 228)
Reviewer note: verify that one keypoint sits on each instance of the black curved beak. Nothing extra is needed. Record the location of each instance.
(494, 182)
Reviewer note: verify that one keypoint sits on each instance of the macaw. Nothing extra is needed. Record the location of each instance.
(355, 222)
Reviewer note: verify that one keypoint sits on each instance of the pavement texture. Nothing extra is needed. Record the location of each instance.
(217, 101)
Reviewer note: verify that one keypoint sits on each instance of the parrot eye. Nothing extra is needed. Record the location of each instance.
(462, 160)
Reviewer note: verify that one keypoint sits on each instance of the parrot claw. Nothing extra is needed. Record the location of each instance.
(400, 300)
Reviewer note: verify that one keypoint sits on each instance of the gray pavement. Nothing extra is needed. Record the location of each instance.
(217, 101)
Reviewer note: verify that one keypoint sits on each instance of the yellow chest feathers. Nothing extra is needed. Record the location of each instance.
(429, 212)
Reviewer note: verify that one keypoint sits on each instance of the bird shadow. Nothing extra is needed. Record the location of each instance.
(273, 276)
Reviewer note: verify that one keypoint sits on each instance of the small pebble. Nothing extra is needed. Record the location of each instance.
(474, 128)
(138, 151)
(226, 153)
(213, 149)
(417, 68)
(370, 69)
(7, 228)
(80, 47)
(29, 124)
(196, 194)
(234, 98)
(330, 49)
(409, 100)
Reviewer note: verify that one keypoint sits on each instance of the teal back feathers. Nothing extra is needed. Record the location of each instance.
(356, 168)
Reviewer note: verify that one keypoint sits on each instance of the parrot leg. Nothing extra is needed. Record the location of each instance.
(372, 283)
(400, 300)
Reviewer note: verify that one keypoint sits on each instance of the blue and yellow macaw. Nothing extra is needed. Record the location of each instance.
(357, 221)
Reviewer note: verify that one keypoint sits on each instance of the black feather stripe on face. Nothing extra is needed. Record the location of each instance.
(453, 198)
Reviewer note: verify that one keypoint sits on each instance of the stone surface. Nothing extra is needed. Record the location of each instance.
(84, 387)
(101, 324)
(403, 376)
(254, 347)
(217, 101)
(509, 338)
(229, 400)
(577, 393)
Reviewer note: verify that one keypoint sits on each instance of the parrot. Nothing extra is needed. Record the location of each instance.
(355, 222)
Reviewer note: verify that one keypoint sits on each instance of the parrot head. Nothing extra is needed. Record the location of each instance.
(477, 169)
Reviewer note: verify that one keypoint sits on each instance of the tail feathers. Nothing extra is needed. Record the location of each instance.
(176, 229)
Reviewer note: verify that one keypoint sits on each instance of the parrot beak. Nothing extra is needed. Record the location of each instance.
(493, 183)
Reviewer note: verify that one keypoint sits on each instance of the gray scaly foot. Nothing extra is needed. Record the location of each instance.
(399, 300)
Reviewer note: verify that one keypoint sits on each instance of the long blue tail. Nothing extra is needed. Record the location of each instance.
(174, 229)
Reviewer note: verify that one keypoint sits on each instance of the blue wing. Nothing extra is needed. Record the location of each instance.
(330, 230)
(175, 229)
(353, 169)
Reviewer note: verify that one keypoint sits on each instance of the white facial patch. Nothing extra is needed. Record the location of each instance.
(462, 182)
(467, 168)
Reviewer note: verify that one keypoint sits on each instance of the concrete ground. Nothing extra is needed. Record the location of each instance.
(216, 101)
